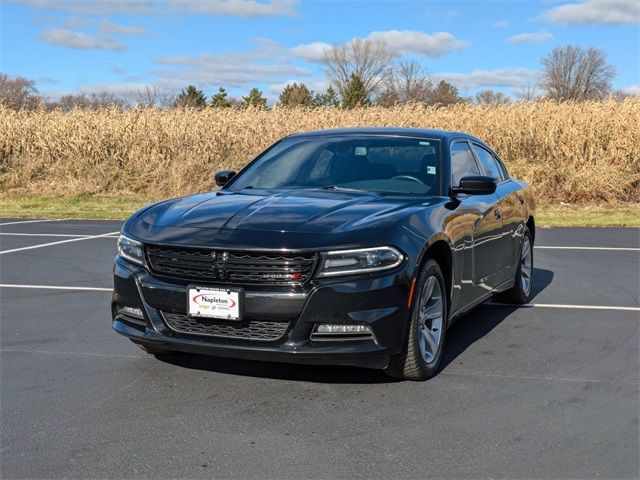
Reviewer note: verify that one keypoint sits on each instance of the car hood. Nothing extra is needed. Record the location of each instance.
(300, 211)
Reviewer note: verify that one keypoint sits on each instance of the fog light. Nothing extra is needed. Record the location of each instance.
(131, 312)
(343, 329)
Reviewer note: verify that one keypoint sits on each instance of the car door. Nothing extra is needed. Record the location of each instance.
(481, 250)
(512, 210)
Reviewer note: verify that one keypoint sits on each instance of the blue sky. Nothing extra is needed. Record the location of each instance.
(119, 45)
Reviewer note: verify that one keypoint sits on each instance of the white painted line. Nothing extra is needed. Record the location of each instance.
(627, 249)
(56, 287)
(571, 307)
(69, 235)
(56, 243)
(490, 304)
(30, 221)
(83, 354)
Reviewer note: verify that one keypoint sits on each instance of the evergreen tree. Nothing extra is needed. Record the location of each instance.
(219, 100)
(355, 93)
(328, 99)
(254, 99)
(445, 94)
(295, 94)
(191, 97)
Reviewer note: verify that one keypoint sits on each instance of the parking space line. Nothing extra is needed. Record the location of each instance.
(550, 247)
(69, 235)
(30, 221)
(563, 306)
(56, 287)
(536, 377)
(82, 354)
(56, 243)
(490, 304)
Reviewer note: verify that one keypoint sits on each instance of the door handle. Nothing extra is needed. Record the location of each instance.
(498, 213)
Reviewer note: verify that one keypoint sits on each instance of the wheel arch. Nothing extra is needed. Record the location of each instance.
(439, 249)
(531, 225)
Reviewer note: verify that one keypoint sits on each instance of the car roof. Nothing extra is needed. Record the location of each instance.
(393, 131)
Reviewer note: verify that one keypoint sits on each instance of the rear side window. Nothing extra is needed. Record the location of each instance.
(489, 164)
(462, 162)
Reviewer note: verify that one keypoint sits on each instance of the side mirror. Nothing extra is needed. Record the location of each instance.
(223, 177)
(476, 185)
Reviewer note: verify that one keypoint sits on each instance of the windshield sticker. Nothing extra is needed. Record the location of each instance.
(361, 151)
(425, 143)
(431, 170)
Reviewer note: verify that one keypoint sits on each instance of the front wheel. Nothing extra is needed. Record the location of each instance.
(422, 352)
(521, 291)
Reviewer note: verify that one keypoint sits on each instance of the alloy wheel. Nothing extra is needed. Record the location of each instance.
(526, 265)
(430, 319)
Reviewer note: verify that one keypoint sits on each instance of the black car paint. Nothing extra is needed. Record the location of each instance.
(482, 234)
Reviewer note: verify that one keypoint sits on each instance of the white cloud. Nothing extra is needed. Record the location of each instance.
(115, 29)
(77, 40)
(530, 37)
(410, 41)
(313, 52)
(500, 24)
(631, 90)
(594, 11)
(242, 8)
(268, 63)
(503, 77)
(398, 41)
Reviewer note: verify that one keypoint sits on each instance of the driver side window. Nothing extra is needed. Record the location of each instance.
(462, 162)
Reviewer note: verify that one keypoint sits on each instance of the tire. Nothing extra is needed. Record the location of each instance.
(522, 290)
(151, 349)
(420, 359)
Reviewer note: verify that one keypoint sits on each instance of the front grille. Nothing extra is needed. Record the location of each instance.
(244, 330)
(231, 266)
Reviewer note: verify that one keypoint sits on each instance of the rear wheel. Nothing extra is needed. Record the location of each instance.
(521, 291)
(421, 355)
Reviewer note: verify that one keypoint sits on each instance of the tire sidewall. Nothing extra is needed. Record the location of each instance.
(430, 268)
(525, 297)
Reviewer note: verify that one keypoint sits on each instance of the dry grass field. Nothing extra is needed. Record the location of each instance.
(580, 153)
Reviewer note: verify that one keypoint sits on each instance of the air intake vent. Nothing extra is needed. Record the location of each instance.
(244, 330)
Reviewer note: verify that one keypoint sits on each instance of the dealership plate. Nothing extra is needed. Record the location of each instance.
(221, 303)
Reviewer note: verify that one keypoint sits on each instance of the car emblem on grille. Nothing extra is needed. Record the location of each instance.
(220, 260)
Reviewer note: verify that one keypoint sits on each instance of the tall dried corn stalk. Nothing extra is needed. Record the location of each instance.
(574, 152)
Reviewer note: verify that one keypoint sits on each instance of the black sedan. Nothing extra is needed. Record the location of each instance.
(343, 247)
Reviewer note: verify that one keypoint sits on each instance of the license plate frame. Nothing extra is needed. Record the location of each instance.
(215, 309)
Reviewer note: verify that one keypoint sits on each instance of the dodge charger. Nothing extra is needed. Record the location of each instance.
(337, 247)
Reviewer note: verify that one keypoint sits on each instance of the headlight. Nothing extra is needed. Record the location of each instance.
(130, 250)
(363, 260)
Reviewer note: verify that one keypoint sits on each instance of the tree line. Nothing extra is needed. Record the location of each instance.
(360, 73)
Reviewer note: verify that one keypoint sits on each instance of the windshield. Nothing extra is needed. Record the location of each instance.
(371, 163)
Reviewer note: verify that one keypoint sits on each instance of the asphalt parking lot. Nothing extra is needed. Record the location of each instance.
(546, 391)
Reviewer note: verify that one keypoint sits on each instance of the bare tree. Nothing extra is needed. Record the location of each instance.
(18, 92)
(367, 59)
(490, 97)
(408, 82)
(576, 73)
(528, 93)
(88, 101)
(149, 96)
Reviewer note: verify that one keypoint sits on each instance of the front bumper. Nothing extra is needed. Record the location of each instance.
(378, 301)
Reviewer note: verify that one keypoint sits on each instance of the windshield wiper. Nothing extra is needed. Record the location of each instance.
(335, 187)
